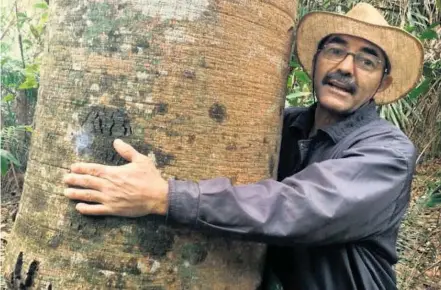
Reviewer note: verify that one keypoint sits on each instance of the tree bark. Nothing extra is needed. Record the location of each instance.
(198, 85)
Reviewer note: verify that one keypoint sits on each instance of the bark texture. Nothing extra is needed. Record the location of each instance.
(198, 85)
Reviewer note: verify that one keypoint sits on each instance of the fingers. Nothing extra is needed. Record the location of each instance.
(93, 169)
(84, 181)
(86, 195)
(125, 150)
(93, 209)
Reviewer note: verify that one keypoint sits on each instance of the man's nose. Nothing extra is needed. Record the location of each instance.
(347, 65)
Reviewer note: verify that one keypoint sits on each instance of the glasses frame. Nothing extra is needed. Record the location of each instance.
(356, 56)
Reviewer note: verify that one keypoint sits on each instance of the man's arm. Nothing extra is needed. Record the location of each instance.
(336, 200)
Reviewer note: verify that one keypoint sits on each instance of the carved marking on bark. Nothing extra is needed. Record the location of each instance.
(16, 282)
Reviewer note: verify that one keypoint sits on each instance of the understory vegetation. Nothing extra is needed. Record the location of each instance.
(418, 115)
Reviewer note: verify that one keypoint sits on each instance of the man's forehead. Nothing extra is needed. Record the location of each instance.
(347, 39)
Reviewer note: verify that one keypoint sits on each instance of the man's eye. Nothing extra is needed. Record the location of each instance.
(336, 51)
(367, 62)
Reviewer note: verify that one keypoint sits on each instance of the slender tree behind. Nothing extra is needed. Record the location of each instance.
(197, 85)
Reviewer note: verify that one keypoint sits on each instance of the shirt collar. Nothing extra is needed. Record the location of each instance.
(365, 114)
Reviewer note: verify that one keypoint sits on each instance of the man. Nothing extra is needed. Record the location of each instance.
(332, 217)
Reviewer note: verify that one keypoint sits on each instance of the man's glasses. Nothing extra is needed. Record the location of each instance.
(363, 60)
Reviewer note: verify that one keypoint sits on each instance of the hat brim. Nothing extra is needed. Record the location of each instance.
(405, 52)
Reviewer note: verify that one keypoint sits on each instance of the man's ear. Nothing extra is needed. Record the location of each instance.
(385, 83)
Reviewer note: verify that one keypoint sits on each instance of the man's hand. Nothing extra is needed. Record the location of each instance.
(132, 190)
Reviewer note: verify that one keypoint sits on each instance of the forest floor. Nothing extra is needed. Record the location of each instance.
(421, 268)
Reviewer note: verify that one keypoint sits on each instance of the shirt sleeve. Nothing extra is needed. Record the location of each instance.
(337, 200)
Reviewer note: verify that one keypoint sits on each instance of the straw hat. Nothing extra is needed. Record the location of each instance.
(405, 52)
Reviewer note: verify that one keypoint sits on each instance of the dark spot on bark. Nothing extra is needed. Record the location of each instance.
(191, 139)
(122, 78)
(89, 227)
(142, 43)
(144, 93)
(49, 287)
(163, 159)
(194, 253)
(106, 82)
(265, 140)
(55, 241)
(160, 109)
(231, 146)
(135, 49)
(189, 74)
(271, 164)
(151, 238)
(180, 119)
(202, 62)
(179, 148)
(171, 133)
(217, 112)
(113, 48)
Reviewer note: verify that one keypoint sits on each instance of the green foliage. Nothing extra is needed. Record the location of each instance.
(299, 86)
(20, 78)
(6, 159)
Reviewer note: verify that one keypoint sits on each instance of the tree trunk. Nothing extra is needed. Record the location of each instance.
(198, 85)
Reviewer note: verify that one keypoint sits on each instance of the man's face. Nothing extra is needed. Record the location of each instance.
(344, 82)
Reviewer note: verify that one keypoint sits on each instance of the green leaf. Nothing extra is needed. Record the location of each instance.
(434, 198)
(4, 166)
(35, 31)
(5, 154)
(32, 68)
(409, 28)
(28, 129)
(428, 34)
(296, 95)
(21, 19)
(433, 25)
(8, 98)
(29, 83)
(41, 5)
(290, 81)
(44, 18)
(421, 89)
(294, 63)
(302, 77)
(27, 42)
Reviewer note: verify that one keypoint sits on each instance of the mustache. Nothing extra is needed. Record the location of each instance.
(347, 81)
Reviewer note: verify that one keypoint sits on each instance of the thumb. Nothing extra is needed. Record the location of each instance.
(125, 150)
